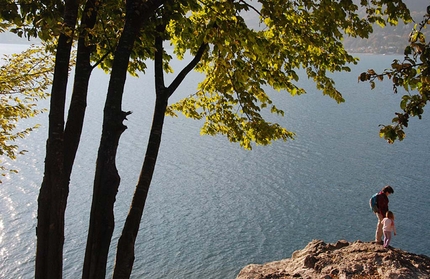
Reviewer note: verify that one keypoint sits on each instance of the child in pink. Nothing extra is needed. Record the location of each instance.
(388, 227)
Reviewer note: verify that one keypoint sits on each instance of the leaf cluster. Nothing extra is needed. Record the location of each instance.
(242, 62)
(24, 79)
(45, 20)
(33, 18)
(413, 76)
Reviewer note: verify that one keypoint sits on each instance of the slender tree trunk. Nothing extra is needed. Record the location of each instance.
(125, 251)
(78, 104)
(60, 157)
(54, 190)
(106, 181)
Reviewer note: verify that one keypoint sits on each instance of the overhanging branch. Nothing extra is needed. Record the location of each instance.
(177, 81)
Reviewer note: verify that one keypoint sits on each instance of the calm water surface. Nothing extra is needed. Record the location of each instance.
(213, 207)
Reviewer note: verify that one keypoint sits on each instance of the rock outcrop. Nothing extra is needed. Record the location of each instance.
(343, 260)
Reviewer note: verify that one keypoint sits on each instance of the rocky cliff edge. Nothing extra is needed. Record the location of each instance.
(343, 260)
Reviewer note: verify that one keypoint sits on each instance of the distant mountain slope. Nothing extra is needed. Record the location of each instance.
(391, 39)
(11, 38)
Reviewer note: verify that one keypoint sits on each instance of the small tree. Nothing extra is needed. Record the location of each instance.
(24, 79)
(413, 75)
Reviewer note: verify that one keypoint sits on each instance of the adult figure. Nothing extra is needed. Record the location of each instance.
(382, 203)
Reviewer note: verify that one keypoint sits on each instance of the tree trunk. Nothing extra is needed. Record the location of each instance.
(54, 190)
(53, 195)
(78, 104)
(106, 181)
(125, 252)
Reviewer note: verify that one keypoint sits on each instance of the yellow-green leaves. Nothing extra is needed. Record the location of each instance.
(24, 79)
(242, 61)
(413, 75)
(252, 45)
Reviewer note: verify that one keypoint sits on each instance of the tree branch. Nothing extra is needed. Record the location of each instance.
(177, 81)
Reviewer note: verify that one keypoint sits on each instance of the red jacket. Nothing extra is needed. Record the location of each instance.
(382, 202)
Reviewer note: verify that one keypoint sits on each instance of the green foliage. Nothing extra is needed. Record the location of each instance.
(44, 20)
(413, 75)
(241, 61)
(24, 78)
(33, 18)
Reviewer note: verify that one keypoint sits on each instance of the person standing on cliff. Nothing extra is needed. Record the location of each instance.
(382, 203)
(388, 227)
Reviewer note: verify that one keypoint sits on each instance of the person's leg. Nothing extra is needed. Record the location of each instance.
(378, 234)
(387, 238)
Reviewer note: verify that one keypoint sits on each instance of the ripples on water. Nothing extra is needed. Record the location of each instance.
(213, 207)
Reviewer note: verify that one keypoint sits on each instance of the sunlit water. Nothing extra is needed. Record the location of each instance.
(213, 207)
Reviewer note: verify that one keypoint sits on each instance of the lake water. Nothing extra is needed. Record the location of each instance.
(214, 208)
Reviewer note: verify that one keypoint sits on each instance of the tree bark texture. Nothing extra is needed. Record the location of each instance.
(54, 189)
(61, 162)
(125, 252)
(107, 179)
(78, 104)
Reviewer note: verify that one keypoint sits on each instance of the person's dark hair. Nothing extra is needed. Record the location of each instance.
(388, 189)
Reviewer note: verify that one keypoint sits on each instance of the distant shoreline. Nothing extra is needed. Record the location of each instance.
(11, 38)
